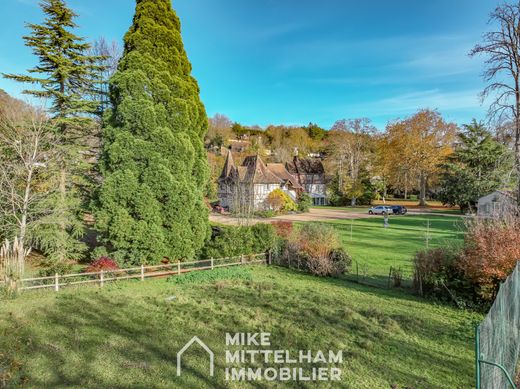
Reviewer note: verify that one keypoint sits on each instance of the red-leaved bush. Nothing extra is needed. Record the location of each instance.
(491, 250)
(283, 229)
(103, 263)
(471, 275)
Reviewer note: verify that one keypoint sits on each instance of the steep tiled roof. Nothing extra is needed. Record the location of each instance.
(280, 171)
(229, 165)
(305, 166)
(256, 171)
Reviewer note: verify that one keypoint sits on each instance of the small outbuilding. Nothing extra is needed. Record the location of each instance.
(496, 204)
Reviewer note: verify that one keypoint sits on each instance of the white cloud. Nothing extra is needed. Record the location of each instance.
(433, 98)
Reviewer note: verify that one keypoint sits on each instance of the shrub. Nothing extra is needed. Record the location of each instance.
(437, 274)
(317, 265)
(490, 253)
(280, 202)
(342, 261)
(50, 268)
(103, 263)
(230, 241)
(314, 248)
(266, 214)
(304, 202)
(264, 236)
(429, 268)
(317, 240)
(283, 229)
(396, 273)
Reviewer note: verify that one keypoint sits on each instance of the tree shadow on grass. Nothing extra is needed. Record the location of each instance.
(109, 339)
(92, 341)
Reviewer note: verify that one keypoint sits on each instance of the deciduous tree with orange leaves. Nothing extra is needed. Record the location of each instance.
(416, 147)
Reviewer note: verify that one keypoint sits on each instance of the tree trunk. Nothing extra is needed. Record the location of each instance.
(340, 177)
(62, 206)
(405, 186)
(353, 202)
(517, 134)
(422, 194)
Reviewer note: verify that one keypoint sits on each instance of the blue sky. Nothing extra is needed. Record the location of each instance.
(295, 61)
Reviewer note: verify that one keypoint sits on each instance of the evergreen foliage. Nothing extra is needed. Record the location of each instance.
(230, 241)
(65, 76)
(65, 73)
(154, 164)
(479, 166)
(304, 202)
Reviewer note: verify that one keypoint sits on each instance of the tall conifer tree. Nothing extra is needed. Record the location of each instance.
(65, 76)
(155, 170)
(66, 73)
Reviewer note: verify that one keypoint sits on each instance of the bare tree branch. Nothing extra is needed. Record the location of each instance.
(501, 49)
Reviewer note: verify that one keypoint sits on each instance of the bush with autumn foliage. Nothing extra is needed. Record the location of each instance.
(491, 251)
(280, 202)
(471, 275)
(314, 248)
(283, 228)
(103, 263)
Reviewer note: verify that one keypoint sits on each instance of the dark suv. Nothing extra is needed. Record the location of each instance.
(399, 209)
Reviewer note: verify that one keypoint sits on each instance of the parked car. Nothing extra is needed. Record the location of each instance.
(380, 210)
(399, 209)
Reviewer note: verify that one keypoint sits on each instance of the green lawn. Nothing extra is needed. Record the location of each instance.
(376, 249)
(447, 211)
(357, 209)
(128, 334)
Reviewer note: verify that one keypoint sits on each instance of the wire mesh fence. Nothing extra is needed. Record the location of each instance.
(393, 276)
(498, 338)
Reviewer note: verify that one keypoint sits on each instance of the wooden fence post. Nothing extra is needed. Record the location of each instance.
(179, 268)
(56, 282)
(142, 272)
(102, 278)
(212, 265)
(242, 259)
(269, 257)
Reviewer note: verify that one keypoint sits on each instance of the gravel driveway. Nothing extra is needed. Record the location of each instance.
(315, 214)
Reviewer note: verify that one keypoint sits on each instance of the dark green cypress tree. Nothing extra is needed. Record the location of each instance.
(65, 76)
(154, 165)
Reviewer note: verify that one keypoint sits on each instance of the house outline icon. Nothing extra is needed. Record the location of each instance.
(196, 339)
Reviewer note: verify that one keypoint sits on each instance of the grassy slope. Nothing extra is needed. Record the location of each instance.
(127, 334)
(378, 248)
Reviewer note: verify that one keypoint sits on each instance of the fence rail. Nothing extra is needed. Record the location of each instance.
(59, 281)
